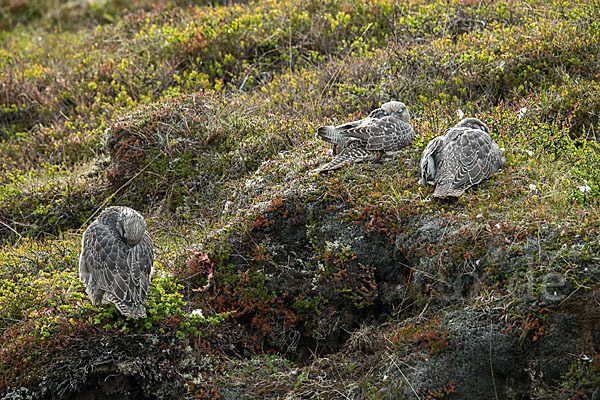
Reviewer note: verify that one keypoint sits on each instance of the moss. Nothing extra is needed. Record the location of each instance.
(428, 338)
(309, 307)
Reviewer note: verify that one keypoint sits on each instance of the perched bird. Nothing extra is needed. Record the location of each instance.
(463, 157)
(385, 131)
(116, 260)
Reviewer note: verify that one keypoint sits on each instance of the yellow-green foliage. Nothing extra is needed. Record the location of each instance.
(45, 200)
(40, 279)
(39, 284)
(42, 298)
(197, 115)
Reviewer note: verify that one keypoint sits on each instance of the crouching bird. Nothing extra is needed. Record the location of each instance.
(385, 131)
(116, 262)
(463, 157)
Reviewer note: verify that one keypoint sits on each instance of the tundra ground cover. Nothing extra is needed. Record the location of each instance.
(203, 117)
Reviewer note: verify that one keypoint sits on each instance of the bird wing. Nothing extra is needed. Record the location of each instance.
(111, 272)
(98, 258)
(431, 160)
(473, 149)
(369, 127)
(88, 261)
(334, 134)
(141, 259)
(390, 134)
(385, 134)
(349, 125)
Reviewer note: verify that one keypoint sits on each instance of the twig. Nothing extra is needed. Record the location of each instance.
(491, 365)
(572, 293)
(405, 378)
(9, 227)
(118, 190)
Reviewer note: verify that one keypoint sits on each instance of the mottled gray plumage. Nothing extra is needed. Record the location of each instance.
(116, 260)
(385, 131)
(463, 157)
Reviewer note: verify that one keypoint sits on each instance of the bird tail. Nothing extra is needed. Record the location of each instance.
(443, 192)
(129, 310)
(347, 156)
(336, 163)
(329, 134)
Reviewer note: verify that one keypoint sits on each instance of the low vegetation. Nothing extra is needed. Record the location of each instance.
(273, 281)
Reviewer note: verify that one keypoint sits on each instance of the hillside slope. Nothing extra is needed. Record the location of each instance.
(273, 281)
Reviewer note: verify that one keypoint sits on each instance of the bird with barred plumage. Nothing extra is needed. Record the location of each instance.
(385, 131)
(461, 158)
(116, 263)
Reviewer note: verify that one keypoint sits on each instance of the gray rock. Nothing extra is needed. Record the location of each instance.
(475, 350)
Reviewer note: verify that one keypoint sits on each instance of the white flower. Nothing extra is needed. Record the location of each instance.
(479, 216)
(460, 114)
(586, 358)
(531, 153)
(533, 187)
(585, 188)
(522, 112)
(163, 274)
(197, 312)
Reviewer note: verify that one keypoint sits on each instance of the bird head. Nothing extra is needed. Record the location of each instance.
(131, 226)
(473, 123)
(398, 109)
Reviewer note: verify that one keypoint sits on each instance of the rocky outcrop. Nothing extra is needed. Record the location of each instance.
(494, 316)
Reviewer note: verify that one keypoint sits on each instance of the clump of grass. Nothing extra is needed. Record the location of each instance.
(68, 15)
(179, 149)
(46, 201)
